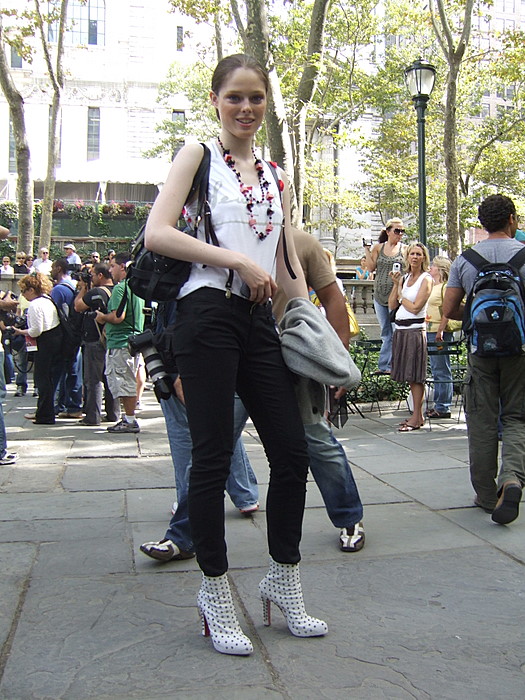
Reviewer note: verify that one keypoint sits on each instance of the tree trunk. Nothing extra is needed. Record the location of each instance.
(257, 45)
(451, 163)
(24, 185)
(305, 93)
(56, 76)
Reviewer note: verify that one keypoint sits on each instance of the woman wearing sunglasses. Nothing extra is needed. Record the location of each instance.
(381, 258)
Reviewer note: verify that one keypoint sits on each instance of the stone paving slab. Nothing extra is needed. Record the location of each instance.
(28, 476)
(101, 555)
(96, 636)
(401, 634)
(507, 538)
(16, 562)
(62, 530)
(411, 461)
(54, 506)
(118, 473)
(436, 488)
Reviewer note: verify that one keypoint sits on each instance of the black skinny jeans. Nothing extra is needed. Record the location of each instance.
(224, 345)
(48, 360)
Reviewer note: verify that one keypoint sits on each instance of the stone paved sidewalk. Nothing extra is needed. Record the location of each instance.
(432, 607)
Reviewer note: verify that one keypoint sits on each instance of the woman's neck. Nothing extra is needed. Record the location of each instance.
(240, 149)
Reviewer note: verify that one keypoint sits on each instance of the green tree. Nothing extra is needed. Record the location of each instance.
(24, 185)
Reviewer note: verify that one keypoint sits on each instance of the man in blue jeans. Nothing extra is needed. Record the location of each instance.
(328, 463)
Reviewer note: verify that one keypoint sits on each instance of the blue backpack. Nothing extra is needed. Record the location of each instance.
(494, 316)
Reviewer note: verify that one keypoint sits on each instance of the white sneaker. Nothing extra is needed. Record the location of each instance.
(8, 458)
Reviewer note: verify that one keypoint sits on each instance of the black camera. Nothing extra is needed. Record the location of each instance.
(10, 338)
(145, 343)
(82, 276)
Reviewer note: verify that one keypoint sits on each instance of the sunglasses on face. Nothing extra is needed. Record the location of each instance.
(399, 230)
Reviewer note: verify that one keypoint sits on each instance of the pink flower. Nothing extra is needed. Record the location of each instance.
(252, 221)
(269, 228)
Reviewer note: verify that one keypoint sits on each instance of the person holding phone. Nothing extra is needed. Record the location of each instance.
(411, 292)
(379, 259)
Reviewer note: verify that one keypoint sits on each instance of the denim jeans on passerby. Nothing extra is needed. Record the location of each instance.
(387, 332)
(69, 385)
(442, 375)
(333, 476)
(3, 437)
(241, 484)
(21, 366)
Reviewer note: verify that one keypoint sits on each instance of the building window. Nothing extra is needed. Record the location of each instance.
(16, 58)
(93, 133)
(180, 38)
(86, 21)
(12, 149)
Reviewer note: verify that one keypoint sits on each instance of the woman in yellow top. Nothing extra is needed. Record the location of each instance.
(436, 322)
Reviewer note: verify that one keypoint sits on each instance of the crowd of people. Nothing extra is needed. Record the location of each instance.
(231, 363)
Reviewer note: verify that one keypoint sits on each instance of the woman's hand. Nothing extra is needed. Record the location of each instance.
(397, 277)
(261, 284)
(439, 335)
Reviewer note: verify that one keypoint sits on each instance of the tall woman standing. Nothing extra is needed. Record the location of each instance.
(411, 292)
(225, 340)
(381, 258)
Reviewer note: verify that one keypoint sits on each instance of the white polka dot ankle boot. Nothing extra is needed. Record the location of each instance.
(282, 586)
(218, 617)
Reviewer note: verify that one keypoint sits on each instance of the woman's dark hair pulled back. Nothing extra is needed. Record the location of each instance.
(228, 64)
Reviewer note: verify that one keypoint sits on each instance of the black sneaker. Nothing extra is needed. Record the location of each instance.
(352, 539)
(124, 427)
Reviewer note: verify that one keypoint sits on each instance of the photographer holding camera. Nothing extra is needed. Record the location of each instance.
(124, 317)
(93, 295)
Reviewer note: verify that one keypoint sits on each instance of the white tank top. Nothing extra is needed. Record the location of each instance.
(230, 222)
(410, 293)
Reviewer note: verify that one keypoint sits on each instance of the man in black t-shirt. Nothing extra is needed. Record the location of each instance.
(89, 301)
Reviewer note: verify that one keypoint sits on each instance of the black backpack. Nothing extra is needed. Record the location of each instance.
(494, 315)
(155, 277)
(71, 325)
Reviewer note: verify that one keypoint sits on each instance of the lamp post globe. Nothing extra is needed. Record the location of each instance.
(420, 77)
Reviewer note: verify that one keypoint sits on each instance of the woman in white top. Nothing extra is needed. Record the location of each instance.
(44, 325)
(409, 345)
(225, 340)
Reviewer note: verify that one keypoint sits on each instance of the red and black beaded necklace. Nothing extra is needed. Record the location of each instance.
(247, 192)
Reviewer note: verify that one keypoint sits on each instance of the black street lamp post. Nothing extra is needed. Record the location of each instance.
(420, 77)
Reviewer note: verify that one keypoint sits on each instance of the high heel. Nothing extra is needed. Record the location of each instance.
(218, 617)
(282, 587)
